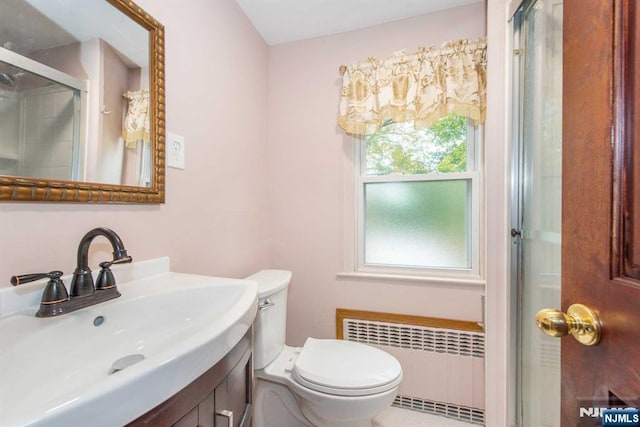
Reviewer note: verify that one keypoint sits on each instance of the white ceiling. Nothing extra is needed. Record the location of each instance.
(86, 20)
(282, 21)
(27, 26)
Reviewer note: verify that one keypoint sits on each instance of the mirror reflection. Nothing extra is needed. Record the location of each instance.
(74, 93)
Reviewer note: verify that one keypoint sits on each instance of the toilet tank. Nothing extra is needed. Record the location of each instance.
(271, 321)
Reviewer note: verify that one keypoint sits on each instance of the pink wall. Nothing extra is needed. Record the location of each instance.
(232, 97)
(306, 168)
(214, 220)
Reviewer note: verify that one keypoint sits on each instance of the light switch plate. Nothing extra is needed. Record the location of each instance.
(175, 151)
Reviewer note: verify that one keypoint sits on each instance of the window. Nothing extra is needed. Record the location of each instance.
(418, 199)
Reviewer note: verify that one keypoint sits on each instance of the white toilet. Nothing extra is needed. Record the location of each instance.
(326, 382)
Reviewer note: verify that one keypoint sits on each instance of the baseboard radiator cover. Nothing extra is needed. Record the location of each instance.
(442, 360)
(449, 410)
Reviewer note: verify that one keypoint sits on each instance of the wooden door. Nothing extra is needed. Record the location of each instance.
(601, 203)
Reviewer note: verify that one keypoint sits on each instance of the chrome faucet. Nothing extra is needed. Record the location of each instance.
(84, 292)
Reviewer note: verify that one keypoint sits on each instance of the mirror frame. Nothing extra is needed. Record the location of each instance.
(18, 189)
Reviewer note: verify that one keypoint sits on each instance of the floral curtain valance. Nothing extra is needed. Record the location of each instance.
(420, 87)
(137, 125)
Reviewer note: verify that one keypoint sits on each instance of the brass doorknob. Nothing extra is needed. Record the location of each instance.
(580, 321)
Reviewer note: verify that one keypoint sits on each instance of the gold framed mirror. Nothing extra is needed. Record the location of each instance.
(73, 130)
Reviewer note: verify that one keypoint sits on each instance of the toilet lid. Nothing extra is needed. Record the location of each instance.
(345, 368)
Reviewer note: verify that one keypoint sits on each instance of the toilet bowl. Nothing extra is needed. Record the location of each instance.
(325, 382)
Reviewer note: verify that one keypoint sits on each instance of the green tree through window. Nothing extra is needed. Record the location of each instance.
(398, 148)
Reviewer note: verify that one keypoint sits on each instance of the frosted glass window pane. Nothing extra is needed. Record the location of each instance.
(418, 223)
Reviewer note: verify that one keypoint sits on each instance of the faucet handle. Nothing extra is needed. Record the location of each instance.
(55, 291)
(105, 279)
(26, 278)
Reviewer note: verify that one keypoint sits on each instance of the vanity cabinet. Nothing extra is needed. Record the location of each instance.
(221, 397)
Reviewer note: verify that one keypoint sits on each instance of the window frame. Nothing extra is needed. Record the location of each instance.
(474, 176)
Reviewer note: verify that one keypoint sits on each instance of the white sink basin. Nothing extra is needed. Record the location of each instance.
(58, 371)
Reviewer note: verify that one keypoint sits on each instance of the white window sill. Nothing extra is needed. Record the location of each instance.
(358, 275)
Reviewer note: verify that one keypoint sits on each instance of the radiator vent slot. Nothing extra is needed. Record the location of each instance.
(415, 337)
(457, 412)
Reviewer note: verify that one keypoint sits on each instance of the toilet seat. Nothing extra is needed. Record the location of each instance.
(345, 368)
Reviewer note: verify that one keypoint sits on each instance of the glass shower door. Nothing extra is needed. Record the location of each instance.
(537, 227)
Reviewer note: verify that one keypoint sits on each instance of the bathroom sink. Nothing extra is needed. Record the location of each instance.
(120, 358)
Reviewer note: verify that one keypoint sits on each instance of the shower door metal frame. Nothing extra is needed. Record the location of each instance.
(42, 70)
(518, 182)
(517, 153)
(80, 101)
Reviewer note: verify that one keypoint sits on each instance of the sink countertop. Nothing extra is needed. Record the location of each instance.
(56, 370)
